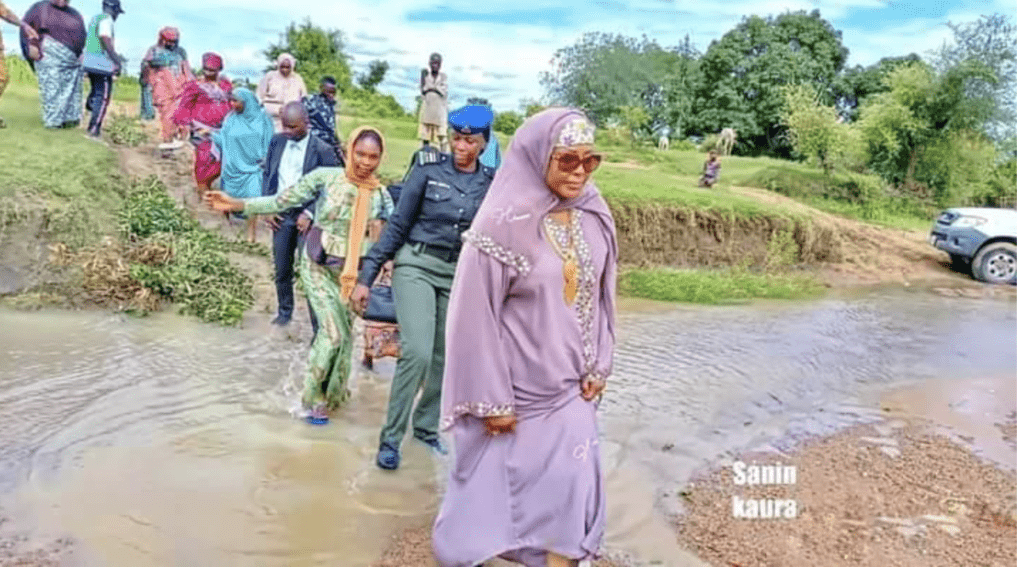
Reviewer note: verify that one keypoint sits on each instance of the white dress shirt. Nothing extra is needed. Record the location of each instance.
(289, 171)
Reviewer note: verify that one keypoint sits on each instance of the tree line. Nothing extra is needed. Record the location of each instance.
(941, 126)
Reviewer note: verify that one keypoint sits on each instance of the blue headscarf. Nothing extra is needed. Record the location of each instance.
(243, 141)
(491, 156)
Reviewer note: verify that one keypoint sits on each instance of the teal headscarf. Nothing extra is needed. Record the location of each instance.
(243, 141)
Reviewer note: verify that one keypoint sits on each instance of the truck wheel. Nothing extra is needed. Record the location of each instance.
(996, 263)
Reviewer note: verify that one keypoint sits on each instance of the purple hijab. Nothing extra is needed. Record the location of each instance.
(508, 227)
(519, 198)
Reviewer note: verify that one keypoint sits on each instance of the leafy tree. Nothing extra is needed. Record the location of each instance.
(923, 132)
(635, 121)
(374, 75)
(741, 74)
(319, 52)
(990, 41)
(507, 122)
(602, 72)
(812, 127)
(680, 95)
(857, 84)
(1001, 186)
(531, 107)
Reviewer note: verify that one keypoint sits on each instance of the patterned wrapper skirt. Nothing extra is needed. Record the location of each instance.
(60, 84)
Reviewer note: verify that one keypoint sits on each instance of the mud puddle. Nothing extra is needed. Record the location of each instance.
(161, 441)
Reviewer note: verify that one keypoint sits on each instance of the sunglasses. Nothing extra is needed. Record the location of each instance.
(569, 162)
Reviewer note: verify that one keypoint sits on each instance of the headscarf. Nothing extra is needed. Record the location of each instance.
(286, 57)
(213, 61)
(519, 198)
(253, 117)
(244, 139)
(511, 215)
(357, 223)
(168, 33)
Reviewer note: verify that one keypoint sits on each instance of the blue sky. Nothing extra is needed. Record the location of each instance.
(498, 49)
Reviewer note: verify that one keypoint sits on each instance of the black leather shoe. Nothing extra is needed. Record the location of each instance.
(281, 320)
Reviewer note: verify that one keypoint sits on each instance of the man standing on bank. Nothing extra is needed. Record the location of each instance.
(438, 203)
(434, 109)
(293, 153)
(101, 64)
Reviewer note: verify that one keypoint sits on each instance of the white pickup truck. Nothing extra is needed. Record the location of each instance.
(983, 240)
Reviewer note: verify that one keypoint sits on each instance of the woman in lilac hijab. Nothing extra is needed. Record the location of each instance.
(530, 334)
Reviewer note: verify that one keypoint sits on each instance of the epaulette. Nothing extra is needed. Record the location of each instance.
(488, 170)
(429, 155)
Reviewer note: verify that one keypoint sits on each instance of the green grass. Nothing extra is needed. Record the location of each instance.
(645, 175)
(79, 182)
(716, 287)
(76, 185)
(75, 181)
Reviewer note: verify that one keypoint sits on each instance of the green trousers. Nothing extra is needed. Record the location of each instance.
(421, 284)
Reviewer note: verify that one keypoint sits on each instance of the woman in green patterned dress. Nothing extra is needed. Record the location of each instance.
(349, 200)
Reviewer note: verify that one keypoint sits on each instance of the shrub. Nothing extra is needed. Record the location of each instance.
(19, 70)
(362, 103)
(507, 122)
(957, 168)
(709, 143)
(1000, 189)
(683, 145)
(195, 272)
(125, 130)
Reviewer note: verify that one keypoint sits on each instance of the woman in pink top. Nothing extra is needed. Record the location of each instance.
(279, 87)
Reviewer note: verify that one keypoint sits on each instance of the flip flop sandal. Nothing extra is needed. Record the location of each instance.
(318, 415)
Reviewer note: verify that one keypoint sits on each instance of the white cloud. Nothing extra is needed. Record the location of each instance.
(500, 62)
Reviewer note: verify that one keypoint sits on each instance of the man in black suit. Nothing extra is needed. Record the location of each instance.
(292, 154)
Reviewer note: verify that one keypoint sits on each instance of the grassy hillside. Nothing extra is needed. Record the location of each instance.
(678, 242)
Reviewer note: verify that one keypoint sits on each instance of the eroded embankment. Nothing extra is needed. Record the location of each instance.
(788, 234)
(660, 235)
(34, 261)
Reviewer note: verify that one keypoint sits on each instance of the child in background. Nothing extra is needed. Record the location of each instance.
(711, 169)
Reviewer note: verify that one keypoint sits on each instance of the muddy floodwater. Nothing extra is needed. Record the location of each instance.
(165, 442)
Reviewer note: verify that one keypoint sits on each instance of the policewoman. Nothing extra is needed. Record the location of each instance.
(439, 198)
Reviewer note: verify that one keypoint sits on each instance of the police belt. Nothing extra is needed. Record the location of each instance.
(444, 253)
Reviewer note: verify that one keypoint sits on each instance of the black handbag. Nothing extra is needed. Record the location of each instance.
(316, 252)
(381, 305)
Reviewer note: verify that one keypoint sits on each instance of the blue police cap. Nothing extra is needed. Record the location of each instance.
(472, 119)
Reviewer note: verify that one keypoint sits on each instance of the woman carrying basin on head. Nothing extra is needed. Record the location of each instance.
(530, 336)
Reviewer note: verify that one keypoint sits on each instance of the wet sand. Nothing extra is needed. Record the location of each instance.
(892, 493)
(872, 495)
(934, 484)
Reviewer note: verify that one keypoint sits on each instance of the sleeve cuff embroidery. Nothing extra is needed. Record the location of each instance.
(476, 409)
(488, 246)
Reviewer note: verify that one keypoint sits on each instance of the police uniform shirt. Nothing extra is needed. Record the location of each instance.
(437, 204)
